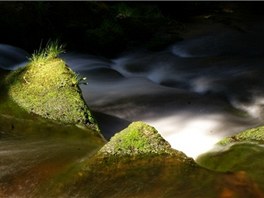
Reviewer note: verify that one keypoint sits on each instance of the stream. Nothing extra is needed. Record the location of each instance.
(195, 92)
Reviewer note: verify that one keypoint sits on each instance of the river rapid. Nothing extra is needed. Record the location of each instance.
(194, 92)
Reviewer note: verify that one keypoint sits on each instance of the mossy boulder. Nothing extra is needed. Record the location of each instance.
(138, 139)
(255, 135)
(49, 88)
(136, 143)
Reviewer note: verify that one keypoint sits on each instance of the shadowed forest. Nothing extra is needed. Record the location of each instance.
(109, 28)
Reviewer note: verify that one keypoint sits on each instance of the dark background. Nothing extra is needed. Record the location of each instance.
(108, 28)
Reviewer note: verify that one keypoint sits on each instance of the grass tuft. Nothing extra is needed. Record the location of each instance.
(51, 50)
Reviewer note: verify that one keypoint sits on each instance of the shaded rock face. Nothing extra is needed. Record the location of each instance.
(50, 89)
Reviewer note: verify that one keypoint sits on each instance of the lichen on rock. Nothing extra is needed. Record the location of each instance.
(46, 86)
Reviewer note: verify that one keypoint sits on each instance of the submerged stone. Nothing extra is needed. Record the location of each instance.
(49, 88)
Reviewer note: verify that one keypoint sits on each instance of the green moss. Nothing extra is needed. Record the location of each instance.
(247, 157)
(135, 139)
(48, 87)
(250, 135)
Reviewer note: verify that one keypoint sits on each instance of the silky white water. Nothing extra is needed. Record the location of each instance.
(194, 92)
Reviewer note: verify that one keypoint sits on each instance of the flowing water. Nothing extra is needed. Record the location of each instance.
(195, 92)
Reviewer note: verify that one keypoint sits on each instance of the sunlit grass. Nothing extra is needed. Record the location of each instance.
(51, 50)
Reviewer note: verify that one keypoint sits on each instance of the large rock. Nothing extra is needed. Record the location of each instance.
(49, 88)
(138, 139)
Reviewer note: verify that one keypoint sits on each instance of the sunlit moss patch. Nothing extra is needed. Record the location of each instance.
(48, 87)
(137, 138)
(137, 141)
(250, 135)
